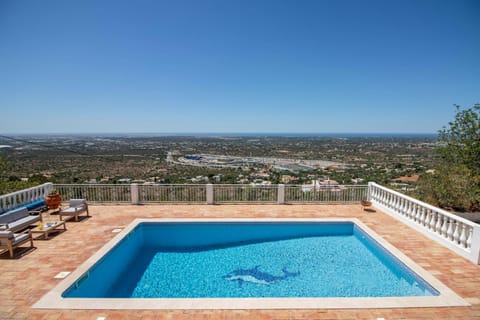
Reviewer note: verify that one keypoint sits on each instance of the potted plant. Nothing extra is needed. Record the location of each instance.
(53, 199)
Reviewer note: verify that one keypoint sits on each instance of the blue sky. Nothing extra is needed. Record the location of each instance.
(236, 65)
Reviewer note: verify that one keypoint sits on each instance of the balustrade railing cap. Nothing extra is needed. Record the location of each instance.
(26, 190)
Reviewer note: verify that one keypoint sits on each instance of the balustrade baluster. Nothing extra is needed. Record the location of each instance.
(469, 237)
(431, 218)
(413, 212)
(410, 209)
(419, 214)
(14, 202)
(438, 226)
(388, 200)
(423, 216)
(444, 226)
(450, 230)
(456, 234)
(401, 207)
(463, 236)
(405, 208)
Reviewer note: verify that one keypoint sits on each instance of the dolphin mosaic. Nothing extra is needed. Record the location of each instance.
(256, 276)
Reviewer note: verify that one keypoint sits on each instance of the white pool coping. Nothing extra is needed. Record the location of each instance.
(54, 299)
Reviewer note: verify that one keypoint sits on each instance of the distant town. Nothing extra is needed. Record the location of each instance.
(313, 161)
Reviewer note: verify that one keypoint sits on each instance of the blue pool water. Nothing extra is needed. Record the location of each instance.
(274, 259)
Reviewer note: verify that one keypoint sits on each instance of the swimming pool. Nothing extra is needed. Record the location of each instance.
(238, 263)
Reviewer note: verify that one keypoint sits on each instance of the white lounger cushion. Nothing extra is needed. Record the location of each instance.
(72, 210)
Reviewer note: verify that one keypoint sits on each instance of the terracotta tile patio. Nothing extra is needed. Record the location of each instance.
(27, 278)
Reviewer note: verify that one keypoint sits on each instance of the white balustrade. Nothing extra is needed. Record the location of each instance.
(456, 233)
(233, 193)
(96, 193)
(211, 193)
(452, 231)
(20, 198)
(337, 194)
(173, 193)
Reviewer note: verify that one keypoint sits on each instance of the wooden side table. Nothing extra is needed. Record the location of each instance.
(48, 227)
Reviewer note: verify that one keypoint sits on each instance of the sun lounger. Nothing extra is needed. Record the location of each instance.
(10, 240)
(76, 207)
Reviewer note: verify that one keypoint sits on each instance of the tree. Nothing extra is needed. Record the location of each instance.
(462, 139)
(11, 183)
(455, 184)
(3, 168)
(452, 188)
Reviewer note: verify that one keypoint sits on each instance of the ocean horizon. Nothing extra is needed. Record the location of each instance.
(233, 134)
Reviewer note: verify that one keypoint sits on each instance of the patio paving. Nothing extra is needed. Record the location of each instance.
(27, 278)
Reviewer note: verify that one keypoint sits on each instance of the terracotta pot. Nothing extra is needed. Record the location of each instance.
(53, 200)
